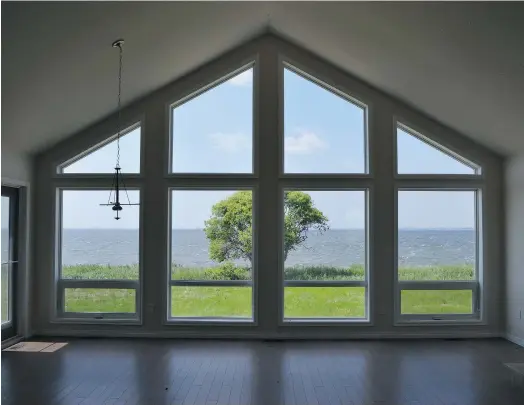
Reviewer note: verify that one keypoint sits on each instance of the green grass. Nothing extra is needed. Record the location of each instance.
(298, 301)
(211, 301)
(99, 300)
(436, 302)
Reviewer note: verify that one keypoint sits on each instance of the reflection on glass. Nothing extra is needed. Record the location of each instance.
(99, 300)
(436, 235)
(323, 132)
(95, 246)
(213, 132)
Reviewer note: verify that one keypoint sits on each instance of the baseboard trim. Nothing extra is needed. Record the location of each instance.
(261, 336)
(515, 339)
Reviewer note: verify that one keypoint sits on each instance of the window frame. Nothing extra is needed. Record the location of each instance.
(58, 312)
(432, 141)
(253, 320)
(305, 73)
(59, 168)
(250, 63)
(366, 283)
(475, 285)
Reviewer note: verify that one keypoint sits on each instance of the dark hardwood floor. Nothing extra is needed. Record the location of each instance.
(157, 372)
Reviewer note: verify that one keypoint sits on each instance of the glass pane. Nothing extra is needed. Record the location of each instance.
(5, 229)
(95, 246)
(213, 132)
(415, 156)
(103, 159)
(436, 235)
(211, 234)
(100, 300)
(430, 302)
(324, 302)
(6, 268)
(5, 293)
(227, 302)
(324, 235)
(323, 132)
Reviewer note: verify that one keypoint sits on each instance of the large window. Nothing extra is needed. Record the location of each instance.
(99, 259)
(325, 254)
(437, 237)
(278, 194)
(324, 229)
(212, 254)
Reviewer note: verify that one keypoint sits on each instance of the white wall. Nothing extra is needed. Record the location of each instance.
(15, 166)
(515, 249)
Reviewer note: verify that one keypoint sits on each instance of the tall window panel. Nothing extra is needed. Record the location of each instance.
(437, 252)
(212, 254)
(325, 250)
(438, 233)
(99, 257)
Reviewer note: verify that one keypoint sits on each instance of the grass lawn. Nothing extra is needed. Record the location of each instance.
(299, 302)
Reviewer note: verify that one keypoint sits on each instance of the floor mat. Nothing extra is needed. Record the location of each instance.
(46, 347)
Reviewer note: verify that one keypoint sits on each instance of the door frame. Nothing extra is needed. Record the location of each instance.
(9, 329)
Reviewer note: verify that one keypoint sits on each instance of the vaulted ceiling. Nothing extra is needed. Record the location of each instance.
(460, 63)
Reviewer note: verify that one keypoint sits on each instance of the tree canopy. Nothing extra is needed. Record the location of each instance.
(230, 228)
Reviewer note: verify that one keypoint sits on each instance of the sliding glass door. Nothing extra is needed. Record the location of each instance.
(9, 260)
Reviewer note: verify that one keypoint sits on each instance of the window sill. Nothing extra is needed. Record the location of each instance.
(441, 322)
(326, 322)
(96, 321)
(211, 321)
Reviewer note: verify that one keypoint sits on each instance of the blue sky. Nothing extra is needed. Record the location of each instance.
(323, 133)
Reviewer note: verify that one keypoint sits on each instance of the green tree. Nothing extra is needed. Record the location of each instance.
(229, 229)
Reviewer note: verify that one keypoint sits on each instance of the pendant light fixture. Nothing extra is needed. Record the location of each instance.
(118, 181)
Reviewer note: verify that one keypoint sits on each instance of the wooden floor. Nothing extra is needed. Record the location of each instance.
(156, 372)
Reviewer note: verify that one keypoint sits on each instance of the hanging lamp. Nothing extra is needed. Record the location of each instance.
(118, 181)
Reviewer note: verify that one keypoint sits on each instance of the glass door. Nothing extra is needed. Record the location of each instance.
(9, 260)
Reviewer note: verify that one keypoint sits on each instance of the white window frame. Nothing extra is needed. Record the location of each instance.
(213, 283)
(434, 182)
(59, 314)
(328, 283)
(215, 181)
(60, 167)
(324, 182)
(252, 63)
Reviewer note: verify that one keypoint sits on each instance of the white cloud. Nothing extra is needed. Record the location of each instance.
(243, 79)
(230, 143)
(304, 143)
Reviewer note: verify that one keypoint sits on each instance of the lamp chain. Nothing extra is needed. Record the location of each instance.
(119, 105)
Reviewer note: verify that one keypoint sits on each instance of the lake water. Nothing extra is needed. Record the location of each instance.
(334, 247)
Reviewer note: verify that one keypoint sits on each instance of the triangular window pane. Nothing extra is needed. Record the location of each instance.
(324, 132)
(212, 132)
(417, 156)
(103, 159)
